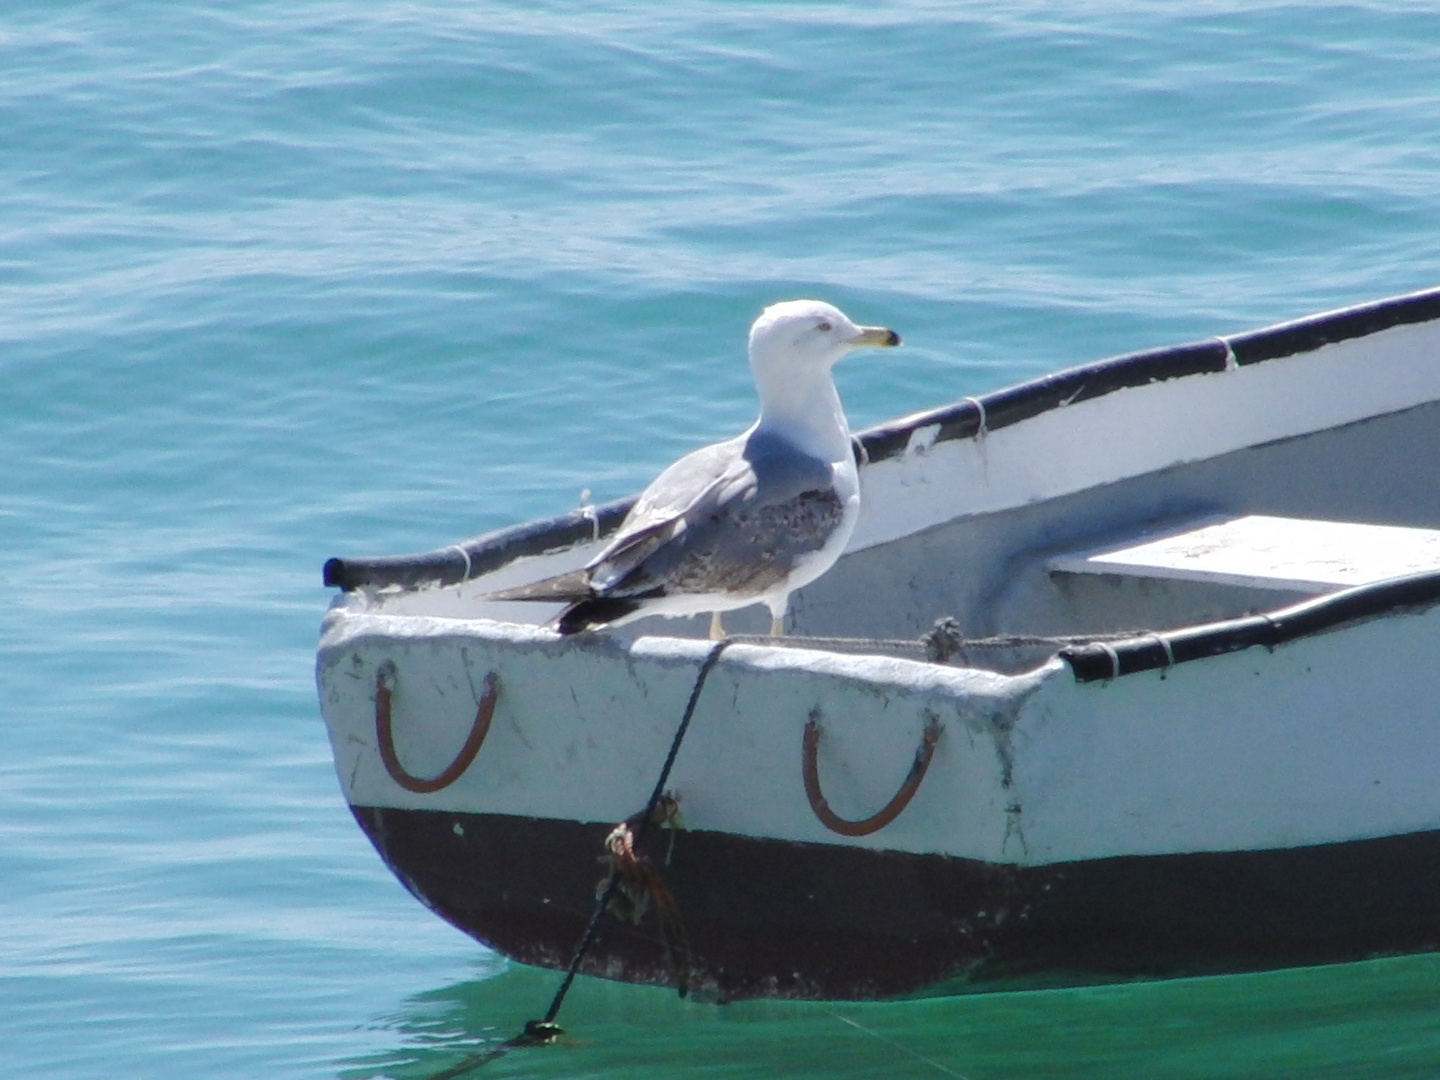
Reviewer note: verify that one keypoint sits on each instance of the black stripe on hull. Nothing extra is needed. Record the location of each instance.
(768, 918)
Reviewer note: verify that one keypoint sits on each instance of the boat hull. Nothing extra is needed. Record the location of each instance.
(1214, 763)
(768, 918)
(1199, 803)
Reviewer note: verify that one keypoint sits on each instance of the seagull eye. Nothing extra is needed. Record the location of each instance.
(824, 328)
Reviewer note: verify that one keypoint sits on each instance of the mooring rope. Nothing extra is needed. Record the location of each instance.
(939, 645)
(604, 901)
(546, 1031)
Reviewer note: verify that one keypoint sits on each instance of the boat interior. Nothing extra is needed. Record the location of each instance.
(1246, 532)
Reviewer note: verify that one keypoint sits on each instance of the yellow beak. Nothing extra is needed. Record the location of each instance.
(876, 335)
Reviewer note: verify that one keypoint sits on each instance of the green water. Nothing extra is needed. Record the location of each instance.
(1368, 1019)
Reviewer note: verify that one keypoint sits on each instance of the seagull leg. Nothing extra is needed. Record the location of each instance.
(777, 625)
(717, 629)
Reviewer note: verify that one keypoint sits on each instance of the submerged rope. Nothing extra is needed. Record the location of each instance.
(546, 1031)
(897, 1044)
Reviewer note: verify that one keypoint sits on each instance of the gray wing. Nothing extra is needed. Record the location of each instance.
(733, 517)
(658, 514)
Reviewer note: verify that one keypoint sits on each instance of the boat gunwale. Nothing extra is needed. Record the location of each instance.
(1103, 661)
(968, 418)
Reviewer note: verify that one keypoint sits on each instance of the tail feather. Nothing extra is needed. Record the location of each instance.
(567, 588)
(587, 611)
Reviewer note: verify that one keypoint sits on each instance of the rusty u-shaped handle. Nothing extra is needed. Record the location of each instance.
(887, 813)
(385, 736)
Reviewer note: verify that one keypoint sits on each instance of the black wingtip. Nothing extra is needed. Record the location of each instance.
(593, 614)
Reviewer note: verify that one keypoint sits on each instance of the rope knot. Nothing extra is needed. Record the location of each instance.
(633, 883)
(944, 640)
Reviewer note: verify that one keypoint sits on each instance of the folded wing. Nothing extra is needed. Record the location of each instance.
(731, 519)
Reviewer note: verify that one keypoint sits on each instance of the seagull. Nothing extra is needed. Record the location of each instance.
(744, 521)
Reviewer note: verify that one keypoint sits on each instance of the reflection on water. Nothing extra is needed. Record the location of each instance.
(1376, 1018)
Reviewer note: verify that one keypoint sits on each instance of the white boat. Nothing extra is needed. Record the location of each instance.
(1192, 726)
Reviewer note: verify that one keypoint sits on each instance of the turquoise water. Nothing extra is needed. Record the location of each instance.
(284, 281)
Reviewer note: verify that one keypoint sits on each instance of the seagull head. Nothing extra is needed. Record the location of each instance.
(808, 335)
